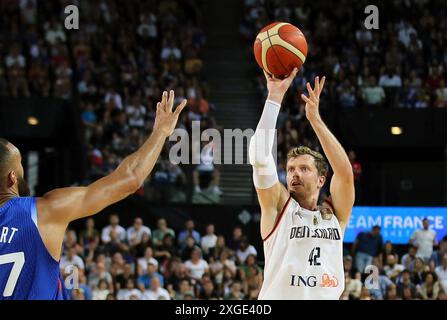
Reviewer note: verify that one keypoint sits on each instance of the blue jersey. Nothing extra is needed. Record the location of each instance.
(27, 270)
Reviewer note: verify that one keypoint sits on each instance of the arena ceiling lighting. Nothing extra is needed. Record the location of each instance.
(396, 131)
(33, 121)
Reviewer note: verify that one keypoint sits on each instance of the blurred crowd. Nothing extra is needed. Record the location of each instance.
(400, 65)
(376, 270)
(403, 64)
(115, 66)
(141, 263)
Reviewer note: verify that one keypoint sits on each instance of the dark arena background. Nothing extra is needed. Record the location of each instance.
(77, 101)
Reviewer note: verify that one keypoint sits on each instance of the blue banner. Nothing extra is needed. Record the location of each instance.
(397, 223)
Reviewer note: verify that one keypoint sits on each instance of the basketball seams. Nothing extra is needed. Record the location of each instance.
(288, 46)
(282, 33)
(272, 47)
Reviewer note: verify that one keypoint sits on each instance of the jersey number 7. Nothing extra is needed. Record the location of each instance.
(18, 258)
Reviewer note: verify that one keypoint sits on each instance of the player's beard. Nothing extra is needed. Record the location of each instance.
(24, 190)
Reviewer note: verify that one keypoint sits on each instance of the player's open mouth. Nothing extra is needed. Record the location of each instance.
(296, 183)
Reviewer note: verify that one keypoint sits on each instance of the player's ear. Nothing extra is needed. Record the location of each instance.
(12, 179)
(321, 181)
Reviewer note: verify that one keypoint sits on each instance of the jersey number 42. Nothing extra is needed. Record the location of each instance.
(314, 257)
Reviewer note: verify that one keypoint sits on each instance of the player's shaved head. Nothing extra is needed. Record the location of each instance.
(7, 153)
(11, 170)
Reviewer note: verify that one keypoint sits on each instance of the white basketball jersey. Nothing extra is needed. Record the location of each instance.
(303, 256)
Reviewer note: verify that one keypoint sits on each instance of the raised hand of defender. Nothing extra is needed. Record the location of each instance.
(165, 118)
(277, 88)
(313, 101)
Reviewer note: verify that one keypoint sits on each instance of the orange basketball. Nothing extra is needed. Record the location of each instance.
(280, 47)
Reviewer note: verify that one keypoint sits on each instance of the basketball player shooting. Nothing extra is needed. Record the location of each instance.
(32, 229)
(303, 242)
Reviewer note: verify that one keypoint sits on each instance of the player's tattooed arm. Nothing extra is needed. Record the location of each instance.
(342, 184)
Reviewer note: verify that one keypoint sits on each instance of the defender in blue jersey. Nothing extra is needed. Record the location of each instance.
(32, 229)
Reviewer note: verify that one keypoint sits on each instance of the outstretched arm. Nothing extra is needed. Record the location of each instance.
(342, 184)
(60, 206)
(272, 195)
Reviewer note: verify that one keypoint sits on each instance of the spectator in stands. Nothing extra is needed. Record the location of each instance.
(81, 285)
(391, 293)
(115, 244)
(185, 252)
(250, 262)
(418, 269)
(99, 273)
(77, 294)
(70, 261)
(220, 246)
(136, 232)
(429, 290)
(222, 264)
(365, 294)
(89, 237)
(189, 231)
(424, 240)
(178, 274)
(405, 284)
(379, 292)
(245, 249)
(167, 250)
(15, 59)
(367, 246)
(161, 231)
(373, 94)
(353, 286)
(441, 273)
(114, 225)
(144, 281)
(208, 242)
(357, 169)
(197, 266)
(136, 113)
(391, 82)
(71, 241)
(156, 292)
(436, 257)
(441, 95)
(101, 292)
(236, 292)
(184, 288)
(233, 244)
(409, 258)
(348, 265)
(347, 95)
(387, 250)
(206, 174)
(118, 264)
(129, 292)
(122, 278)
(392, 268)
(145, 260)
(208, 291)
